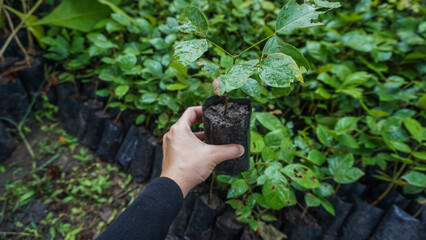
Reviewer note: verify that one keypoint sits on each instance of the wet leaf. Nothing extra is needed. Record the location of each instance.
(193, 21)
(238, 75)
(276, 45)
(415, 178)
(238, 188)
(323, 136)
(316, 157)
(187, 52)
(415, 128)
(279, 70)
(301, 175)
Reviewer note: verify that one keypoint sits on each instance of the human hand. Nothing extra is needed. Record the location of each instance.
(186, 159)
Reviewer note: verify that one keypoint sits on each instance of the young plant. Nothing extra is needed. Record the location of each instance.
(280, 63)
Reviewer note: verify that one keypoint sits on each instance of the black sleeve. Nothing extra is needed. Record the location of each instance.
(150, 215)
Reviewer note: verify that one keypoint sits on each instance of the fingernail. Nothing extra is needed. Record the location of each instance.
(241, 150)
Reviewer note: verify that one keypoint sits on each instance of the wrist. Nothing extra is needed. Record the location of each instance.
(179, 181)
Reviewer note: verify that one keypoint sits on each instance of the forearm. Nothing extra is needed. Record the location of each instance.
(150, 215)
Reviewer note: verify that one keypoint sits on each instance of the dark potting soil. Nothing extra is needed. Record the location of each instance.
(179, 224)
(158, 162)
(7, 143)
(348, 190)
(330, 224)
(298, 228)
(203, 217)
(398, 225)
(361, 221)
(227, 227)
(110, 141)
(232, 127)
(235, 115)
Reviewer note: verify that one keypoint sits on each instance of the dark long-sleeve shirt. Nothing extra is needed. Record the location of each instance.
(150, 215)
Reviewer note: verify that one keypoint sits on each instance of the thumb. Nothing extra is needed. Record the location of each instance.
(221, 153)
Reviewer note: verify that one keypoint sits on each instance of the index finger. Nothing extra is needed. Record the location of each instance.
(192, 116)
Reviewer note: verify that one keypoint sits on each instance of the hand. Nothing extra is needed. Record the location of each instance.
(186, 159)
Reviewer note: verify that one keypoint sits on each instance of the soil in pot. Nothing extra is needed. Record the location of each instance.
(227, 227)
(330, 224)
(110, 141)
(203, 217)
(158, 162)
(179, 224)
(232, 127)
(361, 221)
(7, 143)
(398, 225)
(298, 227)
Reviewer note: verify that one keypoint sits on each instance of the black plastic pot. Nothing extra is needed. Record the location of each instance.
(179, 224)
(95, 128)
(352, 189)
(398, 225)
(136, 152)
(203, 217)
(158, 162)
(87, 124)
(232, 127)
(69, 109)
(7, 143)
(330, 224)
(32, 78)
(13, 100)
(393, 197)
(110, 141)
(227, 227)
(298, 228)
(361, 221)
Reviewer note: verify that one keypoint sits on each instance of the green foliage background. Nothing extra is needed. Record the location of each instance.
(363, 104)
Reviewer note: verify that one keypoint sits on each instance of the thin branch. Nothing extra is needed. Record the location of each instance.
(223, 50)
(20, 25)
(12, 28)
(254, 45)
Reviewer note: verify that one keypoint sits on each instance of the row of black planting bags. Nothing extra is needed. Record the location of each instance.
(112, 135)
(354, 218)
(16, 93)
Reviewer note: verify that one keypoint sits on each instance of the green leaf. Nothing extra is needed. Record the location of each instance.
(118, 10)
(252, 88)
(256, 142)
(269, 121)
(193, 21)
(276, 45)
(80, 15)
(276, 193)
(154, 67)
(121, 90)
(260, 200)
(397, 145)
(359, 41)
(356, 79)
(294, 16)
(301, 175)
(127, 61)
(420, 155)
(279, 70)
(237, 75)
(415, 178)
(273, 139)
(415, 128)
(225, 179)
(149, 97)
(287, 151)
(163, 118)
(187, 52)
(348, 140)
(238, 188)
(316, 157)
(323, 136)
(311, 200)
(345, 124)
(327, 205)
(347, 175)
(422, 102)
(324, 190)
(103, 92)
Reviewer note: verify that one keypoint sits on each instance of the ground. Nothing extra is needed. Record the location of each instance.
(64, 193)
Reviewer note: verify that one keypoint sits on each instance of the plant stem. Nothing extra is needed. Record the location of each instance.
(106, 105)
(13, 70)
(419, 211)
(305, 210)
(226, 103)
(254, 45)
(20, 25)
(211, 189)
(118, 117)
(223, 50)
(29, 36)
(383, 194)
(9, 20)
